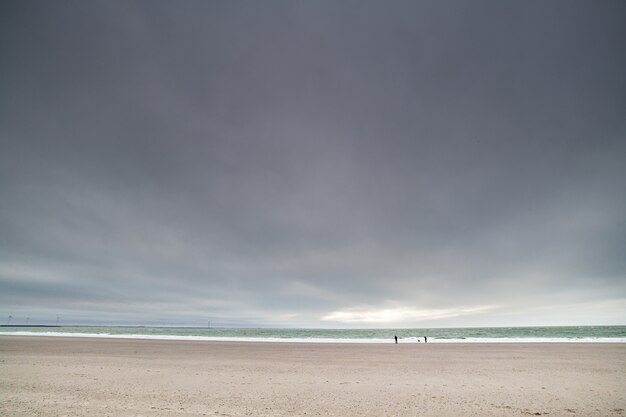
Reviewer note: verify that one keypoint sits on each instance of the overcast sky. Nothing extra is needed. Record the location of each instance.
(313, 163)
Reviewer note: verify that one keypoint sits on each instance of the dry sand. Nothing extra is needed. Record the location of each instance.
(52, 376)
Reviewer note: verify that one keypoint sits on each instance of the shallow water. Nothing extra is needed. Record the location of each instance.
(605, 334)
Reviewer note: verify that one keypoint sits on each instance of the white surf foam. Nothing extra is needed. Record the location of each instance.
(410, 340)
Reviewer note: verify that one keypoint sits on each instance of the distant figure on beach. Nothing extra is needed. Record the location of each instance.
(396, 337)
(425, 339)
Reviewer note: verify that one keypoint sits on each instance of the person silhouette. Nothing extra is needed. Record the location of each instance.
(425, 339)
(396, 337)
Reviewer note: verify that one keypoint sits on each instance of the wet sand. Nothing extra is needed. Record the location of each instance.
(62, 376)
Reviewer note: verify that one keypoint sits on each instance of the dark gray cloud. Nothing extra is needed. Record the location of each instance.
(317, 163)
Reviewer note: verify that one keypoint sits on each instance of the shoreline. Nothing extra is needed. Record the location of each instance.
(128, 377)
(431, 340)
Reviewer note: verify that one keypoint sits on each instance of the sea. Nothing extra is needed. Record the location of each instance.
(559, 334)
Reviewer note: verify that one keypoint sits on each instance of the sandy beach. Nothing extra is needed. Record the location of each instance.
(58, 376)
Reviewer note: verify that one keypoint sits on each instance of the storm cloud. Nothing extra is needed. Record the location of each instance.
(291, 163)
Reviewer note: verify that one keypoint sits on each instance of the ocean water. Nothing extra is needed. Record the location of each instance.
(580, 334)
